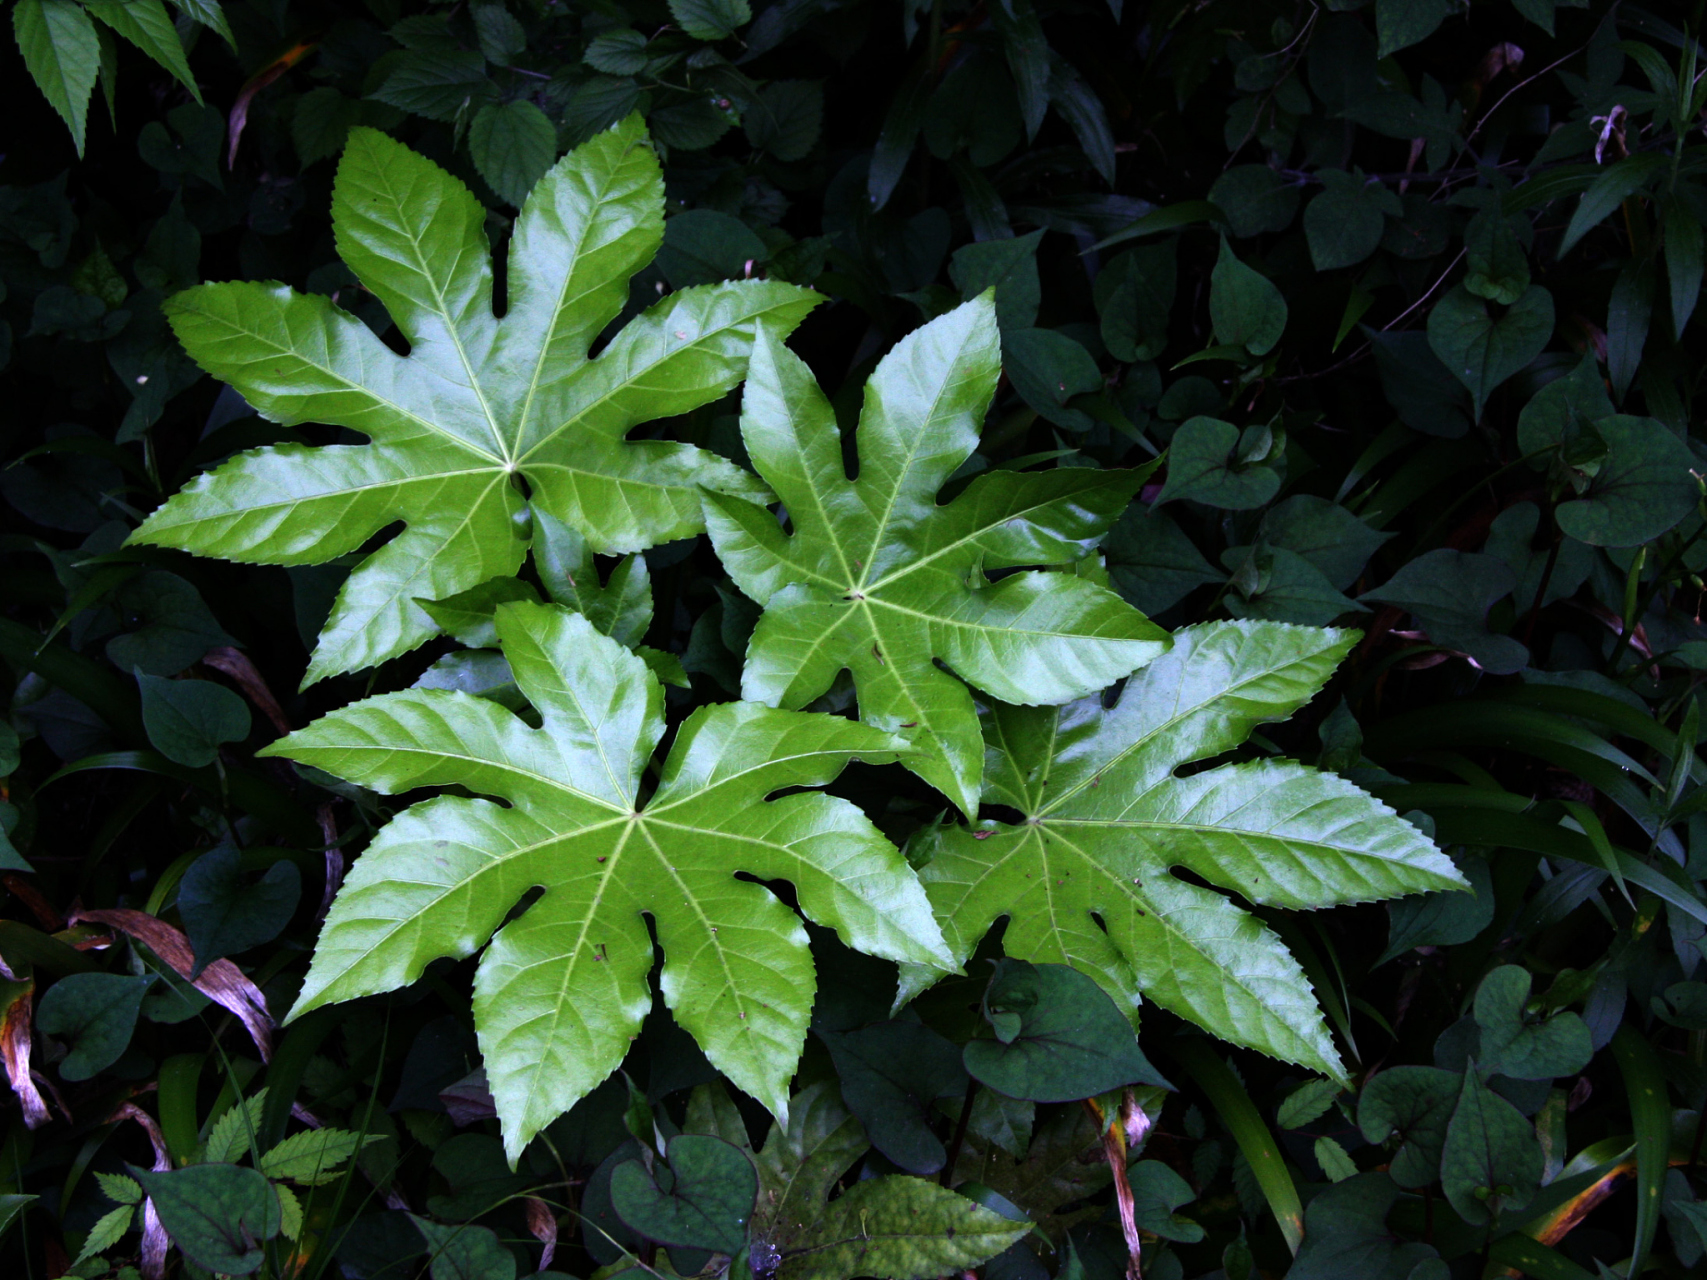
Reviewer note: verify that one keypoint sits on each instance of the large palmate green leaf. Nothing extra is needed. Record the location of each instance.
(561, 990)
(879, 579)
(1086, 879)
(484, 417)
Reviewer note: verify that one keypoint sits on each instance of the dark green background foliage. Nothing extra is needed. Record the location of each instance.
(1403, 293)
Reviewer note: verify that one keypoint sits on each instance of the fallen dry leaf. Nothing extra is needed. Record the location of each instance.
(222, 981)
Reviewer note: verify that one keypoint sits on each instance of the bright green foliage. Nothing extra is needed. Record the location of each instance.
(63, 52)
(1087, 878)
(562, 989)
(880, 579)
(480, 404)
(63, 48)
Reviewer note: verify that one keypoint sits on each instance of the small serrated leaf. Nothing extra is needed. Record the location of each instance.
(1308, 1102)
(313, 1156)
(106, 1232)
(119, 1188)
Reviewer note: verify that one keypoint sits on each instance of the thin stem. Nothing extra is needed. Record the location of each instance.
(959, 1140)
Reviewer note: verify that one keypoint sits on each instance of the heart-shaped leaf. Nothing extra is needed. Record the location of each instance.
(1482, 350)
(1513, 1045)
(1641, 487)
(700, 1197)
(218, 1214)
(225, 913)
(96, 1012)
(1058, 1037)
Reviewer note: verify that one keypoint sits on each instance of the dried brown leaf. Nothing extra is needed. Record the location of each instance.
(222, 981)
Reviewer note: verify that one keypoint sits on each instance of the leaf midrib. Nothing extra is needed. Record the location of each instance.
(413, 240)
(361, 388)
(1221, 695)
(608, 180)
(581, 411)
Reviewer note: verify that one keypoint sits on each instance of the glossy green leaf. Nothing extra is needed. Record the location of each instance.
(1086, 879)
(479, 402)
(700, 1196)
(147, 25)
(218, 1214)
(96, 1013)
(469, 616)
(63, 55)
(189, 720)
(1058, 1037)
(1482, 351)
(1490, 1162)
(562, 989)
(881, 580)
